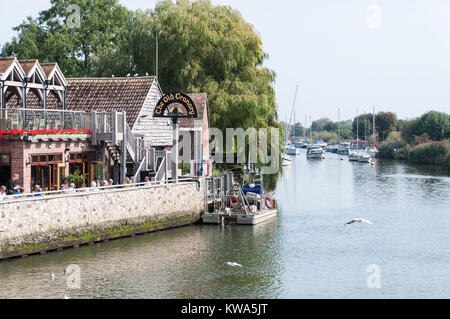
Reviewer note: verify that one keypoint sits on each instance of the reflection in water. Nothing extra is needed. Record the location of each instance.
(181, 263)
(306, 253)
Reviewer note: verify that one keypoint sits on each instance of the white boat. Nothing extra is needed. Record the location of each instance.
(315, 151)
(286, 161)
(356, 148)
(344, 148)
(292, 151)
(372, 151)
(246, 205)
(364, 157)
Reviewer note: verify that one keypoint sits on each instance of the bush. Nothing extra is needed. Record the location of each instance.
(447, 160)
(435, 153)
(393, 147)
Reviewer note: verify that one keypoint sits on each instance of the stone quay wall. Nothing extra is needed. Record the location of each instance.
(40, 224)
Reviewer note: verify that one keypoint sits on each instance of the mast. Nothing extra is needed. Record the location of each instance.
(365, 128)
(357, 124)
(304, 126)
(374, 136)
(310, 124)
(339, 124)
(292, 111)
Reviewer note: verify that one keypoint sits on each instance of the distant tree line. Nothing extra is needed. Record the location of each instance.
(425, 139)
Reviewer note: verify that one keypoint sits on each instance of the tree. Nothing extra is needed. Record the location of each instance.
(100, 36)
(322, 124)
(211, 49)
(385, 123)
(361, 123)
(435, 124)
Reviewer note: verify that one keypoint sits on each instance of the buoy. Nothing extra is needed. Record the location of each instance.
(268, 201)
(234, 199)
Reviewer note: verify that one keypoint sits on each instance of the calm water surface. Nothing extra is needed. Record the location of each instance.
(307, 252)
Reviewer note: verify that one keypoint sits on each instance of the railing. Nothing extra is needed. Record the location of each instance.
(106, 126)
(103, 122)
(220, 186)
(38, 119)
(91, 190)
(161, 172)
(132, 145)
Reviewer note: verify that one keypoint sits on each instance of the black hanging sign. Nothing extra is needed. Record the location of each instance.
(169, 106)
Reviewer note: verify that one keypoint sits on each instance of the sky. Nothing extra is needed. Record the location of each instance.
(354, 55)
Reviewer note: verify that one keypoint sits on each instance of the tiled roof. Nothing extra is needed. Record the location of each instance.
(201, 101)
(48, 68)
(27, 66)
(103, 94)
(5, 63)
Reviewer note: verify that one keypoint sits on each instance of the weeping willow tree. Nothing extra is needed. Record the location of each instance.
(210, 49)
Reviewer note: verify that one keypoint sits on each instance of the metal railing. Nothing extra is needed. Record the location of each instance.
(38, 119)
(219, 186)
(94, 190)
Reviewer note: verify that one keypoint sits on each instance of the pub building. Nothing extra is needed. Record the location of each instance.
(103, 128)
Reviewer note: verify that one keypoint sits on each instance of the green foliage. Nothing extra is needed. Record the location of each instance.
(346, 130)
(48, 38)
(393, 147)
(326, 136)
(211, 49)
(323, 124)
(361, 123)
(435, 124)
(447, 159)
(76, 177)
(435, 153)
(299, 130)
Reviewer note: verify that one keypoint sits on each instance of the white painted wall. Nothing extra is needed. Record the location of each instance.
(156, 129)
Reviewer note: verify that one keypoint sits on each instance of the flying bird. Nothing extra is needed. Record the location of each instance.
(233, 264)
(359, 220)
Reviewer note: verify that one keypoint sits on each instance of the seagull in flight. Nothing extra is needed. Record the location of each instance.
(359, 220)
(233, 264)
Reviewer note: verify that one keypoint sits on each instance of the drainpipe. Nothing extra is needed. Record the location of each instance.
(3, 95)
(26, 80)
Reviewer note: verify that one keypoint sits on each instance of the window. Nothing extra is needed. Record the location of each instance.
(44, 159)
(5, 159)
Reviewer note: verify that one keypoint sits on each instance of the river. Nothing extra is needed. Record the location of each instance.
(306, 252)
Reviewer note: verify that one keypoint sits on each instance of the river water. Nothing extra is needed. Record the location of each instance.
(306, 252)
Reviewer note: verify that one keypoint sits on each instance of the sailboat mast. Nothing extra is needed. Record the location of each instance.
(357, 124)
(339, 124)
(292, 111)
(365, 128)
(374, 136)
(304, 127)
(310, 125)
